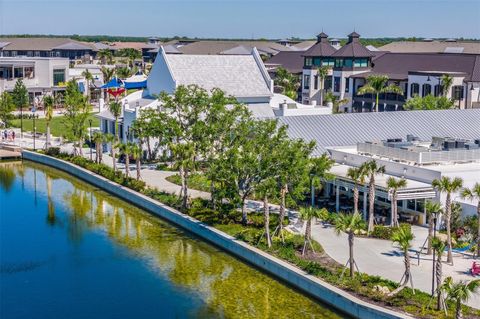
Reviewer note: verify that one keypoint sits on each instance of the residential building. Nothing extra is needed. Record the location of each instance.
(47, 47)
(40, 75)
(419, 146)
(417, 74)
(431, 46)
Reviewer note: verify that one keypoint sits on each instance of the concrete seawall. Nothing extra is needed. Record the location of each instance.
(294, 276)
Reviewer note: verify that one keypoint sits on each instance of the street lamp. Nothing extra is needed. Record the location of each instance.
(433, 263)
(90, 137)
(34, 128)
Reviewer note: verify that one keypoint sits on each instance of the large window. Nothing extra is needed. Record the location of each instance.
(427, 89)
(339, 63)
(315, 82)
(29, 72)
(348, 63)
(360, 63)
(306, 82)
(328, 62)
(18, 72)
(457, 92)
(414, 89)
(58, 76)
(317, 61)
(336, 84)
(308, 61)
(328, 83)
(437, 90)
(347, 85)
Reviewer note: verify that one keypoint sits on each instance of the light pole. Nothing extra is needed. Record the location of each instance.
(433, 263)
(90, 137)
(34, 128)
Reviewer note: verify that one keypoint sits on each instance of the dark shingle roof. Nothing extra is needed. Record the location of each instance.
(475, 77)
(398, 65)
(353, 48)
(321, 48)
(292, 61)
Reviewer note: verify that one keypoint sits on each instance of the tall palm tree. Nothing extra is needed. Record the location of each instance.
(336, 102)
(105, 56)
(48, 105)
(98, 139)
(439, 247)
(447, 185)
(372, 168)
(357, 175)
(377, 84)
(124, 72)
(322, 73)
(447, 81)
(88, 80)
(432, 209)
(137, 154)
(288, 82)
(352, 224)
(116, 109)
(394, 185)
(110, 139)
(307, 214)
(474, 194)
(403, 237)
(459, 292)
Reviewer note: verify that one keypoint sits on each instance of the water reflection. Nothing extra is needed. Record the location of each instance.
(226, 287)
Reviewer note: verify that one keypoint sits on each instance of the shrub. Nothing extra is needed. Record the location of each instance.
(53, 151)
(386, 232)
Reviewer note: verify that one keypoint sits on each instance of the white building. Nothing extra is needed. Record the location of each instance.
(40, 75)
(352, 139)
(242, 76)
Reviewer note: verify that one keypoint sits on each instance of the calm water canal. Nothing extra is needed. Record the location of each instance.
(69, 250)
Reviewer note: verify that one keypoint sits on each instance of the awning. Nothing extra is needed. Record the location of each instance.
(113, 83)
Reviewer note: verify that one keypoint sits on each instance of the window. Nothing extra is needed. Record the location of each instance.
(105, 126)
(315, 82)
(437, 90)
(427, 89)
(457, 92)
(336, 84)
(348, 63)
(328, 62)
(308, 61)
(306, 82)
(30, 53)
(18, 72)
(328, 83)
(347, 85)
(339, 63)
(58, 76)
(360, 63)
(37, 53)
(414, 89)
(317, 61)
(14, 53)
(6, 53)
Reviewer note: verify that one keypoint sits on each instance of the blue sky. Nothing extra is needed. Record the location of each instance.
(243, 18)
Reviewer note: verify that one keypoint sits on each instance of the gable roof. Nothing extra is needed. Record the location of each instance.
(351, 128)
(42, 44)
(237, 75)
(432, 47)
(216, 47)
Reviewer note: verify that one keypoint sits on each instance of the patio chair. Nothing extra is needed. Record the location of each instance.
(462, 251)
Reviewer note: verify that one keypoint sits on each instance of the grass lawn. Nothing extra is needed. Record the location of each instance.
(57, 128)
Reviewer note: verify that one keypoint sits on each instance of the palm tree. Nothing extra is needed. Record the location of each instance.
(88, 78)
(48, 104)
(377, 84)
(124, 72)
(403, 237)
(105, 55)
(109, 138)
(116, 109)
(393, 186)
(322, 73)
(433, 210)
(307, 214)
(439, 247)
(472, 194)
(352, 224)
(447, 81)
(107, 74)
(98, 138)
(371, 168)
(137, 154)
(126, 150)
(447, 185)
(357, 175)
(336, 102)
(459, 292)
(288, 82)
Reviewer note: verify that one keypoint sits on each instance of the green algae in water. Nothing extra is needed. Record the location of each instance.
(200, 280)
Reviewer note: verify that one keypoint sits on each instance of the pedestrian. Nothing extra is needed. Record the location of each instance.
(13, 136)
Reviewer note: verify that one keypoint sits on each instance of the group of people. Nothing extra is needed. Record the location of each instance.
(8, 135)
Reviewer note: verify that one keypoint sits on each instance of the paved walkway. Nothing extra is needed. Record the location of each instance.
(380, 257)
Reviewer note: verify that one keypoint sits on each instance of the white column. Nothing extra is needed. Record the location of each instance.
(337, 198)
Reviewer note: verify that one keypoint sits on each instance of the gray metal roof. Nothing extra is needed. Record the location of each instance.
(349, 129)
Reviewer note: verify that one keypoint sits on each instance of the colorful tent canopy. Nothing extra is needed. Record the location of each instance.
(136, 85)
(113, 83)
